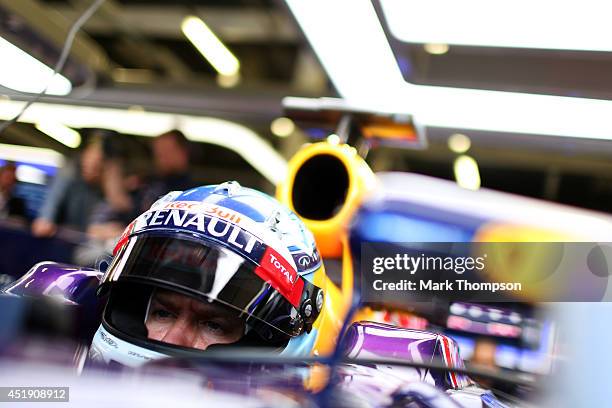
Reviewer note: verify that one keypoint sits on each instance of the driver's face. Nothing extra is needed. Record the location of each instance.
(183, 321)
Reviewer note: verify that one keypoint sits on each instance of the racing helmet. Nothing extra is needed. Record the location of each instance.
(223, 245)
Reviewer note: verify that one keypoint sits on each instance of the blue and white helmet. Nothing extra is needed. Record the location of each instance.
(227, 244)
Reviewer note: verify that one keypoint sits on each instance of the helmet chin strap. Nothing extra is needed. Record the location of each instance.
(107, 348)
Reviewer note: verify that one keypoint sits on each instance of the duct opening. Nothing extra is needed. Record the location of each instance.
(320, 187)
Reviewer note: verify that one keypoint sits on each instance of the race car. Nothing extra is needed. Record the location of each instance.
(367, 367)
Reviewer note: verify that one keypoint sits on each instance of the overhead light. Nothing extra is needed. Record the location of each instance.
(30, 174)
(34, 155)
(333, 139)
(282, 127)
(228, 81)
(318, 20)
(133, 122)
(436, 48)
(233, 136)
(466, 171)
(376, 83)
(22, 72)
(209, 45)
(459, 143)
(464, 22)
(63, 134)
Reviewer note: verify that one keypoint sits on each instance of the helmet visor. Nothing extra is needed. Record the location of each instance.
(212, 273)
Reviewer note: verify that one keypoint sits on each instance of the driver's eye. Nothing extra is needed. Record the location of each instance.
(162, 314)
(212, 326)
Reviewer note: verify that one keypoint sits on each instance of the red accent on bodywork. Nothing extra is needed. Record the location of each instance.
(450, 361)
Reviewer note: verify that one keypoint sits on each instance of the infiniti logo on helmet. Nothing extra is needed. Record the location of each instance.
(304, 261)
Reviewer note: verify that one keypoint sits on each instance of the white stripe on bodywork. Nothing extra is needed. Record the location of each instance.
(398, 334)
(357, 348)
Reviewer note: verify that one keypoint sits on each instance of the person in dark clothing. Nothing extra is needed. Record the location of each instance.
(107, 221)
(74, 192)
(10, 206)
(171, 158)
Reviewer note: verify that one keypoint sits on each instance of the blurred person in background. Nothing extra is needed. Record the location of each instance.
(122, 190)
(74, 192)
(126, 183)
(171, 158)
(10, 206)
(79, 189)
(128, 190)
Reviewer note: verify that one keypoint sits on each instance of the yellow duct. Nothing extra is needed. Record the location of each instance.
(325, 183)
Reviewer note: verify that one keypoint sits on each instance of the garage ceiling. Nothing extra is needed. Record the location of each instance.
(132, 52)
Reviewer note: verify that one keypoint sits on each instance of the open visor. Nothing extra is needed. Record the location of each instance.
(210, 272)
